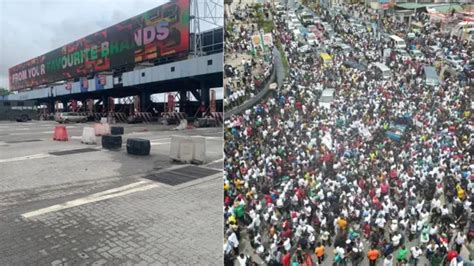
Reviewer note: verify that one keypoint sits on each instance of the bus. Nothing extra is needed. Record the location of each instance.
(397, 42)
(20, 111)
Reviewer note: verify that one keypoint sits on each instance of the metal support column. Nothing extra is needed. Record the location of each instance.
(182, 101)
(144, 101)
(204, 87)
(105, 104)
(65, 105)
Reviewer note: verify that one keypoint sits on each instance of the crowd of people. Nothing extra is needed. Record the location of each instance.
(305, 185)
(254, 66)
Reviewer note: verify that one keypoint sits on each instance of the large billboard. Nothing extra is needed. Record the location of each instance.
(159, 32)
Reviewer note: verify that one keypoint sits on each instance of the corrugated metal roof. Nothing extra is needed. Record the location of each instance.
(411, 5)
(446, 8)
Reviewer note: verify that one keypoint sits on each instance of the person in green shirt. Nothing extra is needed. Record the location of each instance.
(239, 211)
(402, 254)
(436, 259)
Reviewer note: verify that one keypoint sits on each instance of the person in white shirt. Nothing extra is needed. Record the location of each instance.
(233, 241)
(388, 261)
(415, 254)
(287, 244)
(243, 259)
(396, 239)
(459, 240)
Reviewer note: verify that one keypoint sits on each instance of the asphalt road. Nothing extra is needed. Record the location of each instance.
(96, 207)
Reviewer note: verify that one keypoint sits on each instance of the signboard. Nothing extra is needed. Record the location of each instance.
(386, 4)
(268, 39)
(84, 83)
(69, 86)
(161, 31)
(100, 82)
(256, 41)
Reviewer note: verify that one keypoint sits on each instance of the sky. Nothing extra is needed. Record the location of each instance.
(30, 28)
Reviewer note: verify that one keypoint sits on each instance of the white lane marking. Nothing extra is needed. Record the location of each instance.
(118, 189)
(23, 158)
(159, 143)
(75, 137)
(92, 198)
(215, 161)
(26, 133)
(222, 137)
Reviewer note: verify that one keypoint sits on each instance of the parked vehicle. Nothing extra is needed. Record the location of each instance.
(64, 117)
(327, 97)
(455, 61)
(311, 37)
(403, 54)
(417, 55)
(381, 70)
(397, 42)
(20, 111)
(355, 65)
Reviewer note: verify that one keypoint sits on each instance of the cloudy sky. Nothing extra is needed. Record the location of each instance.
(30, 28)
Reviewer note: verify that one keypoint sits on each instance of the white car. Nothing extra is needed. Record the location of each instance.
(417, 55)
(327, 97)
(312, 28)
(304, 49)
(455, 61)
(403, 54)
(70, 117)
(312, 40)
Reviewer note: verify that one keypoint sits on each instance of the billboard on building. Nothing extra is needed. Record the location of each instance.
(159, 32)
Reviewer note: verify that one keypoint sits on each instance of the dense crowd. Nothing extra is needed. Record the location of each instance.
(244, 80)
(307, 185)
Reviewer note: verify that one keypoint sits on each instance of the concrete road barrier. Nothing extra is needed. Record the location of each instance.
(183, 124)
(199, 149)
(175, 146)
(188, 149)
(88, 136)
(102, 129)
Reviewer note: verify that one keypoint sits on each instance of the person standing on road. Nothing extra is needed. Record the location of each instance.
(319, 251)
(415, 254)
(402, 256)
(286, 260)
(233, 241)
(459, 241)
(243, 259)
(388, 261)
(436, 259)
(373, 255)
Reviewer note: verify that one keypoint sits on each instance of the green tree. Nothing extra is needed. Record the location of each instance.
(4, 92)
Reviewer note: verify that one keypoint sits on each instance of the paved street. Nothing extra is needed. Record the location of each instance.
(96, 207)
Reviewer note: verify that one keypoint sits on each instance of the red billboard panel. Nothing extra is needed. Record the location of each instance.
(159, 32)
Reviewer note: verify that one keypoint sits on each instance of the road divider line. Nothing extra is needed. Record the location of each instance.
(118, 189)
(215, 161)
(159, 143)
(108, 194)
(23, 158)
(221, 138)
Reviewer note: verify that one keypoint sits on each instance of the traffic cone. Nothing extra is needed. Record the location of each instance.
(60, 133)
